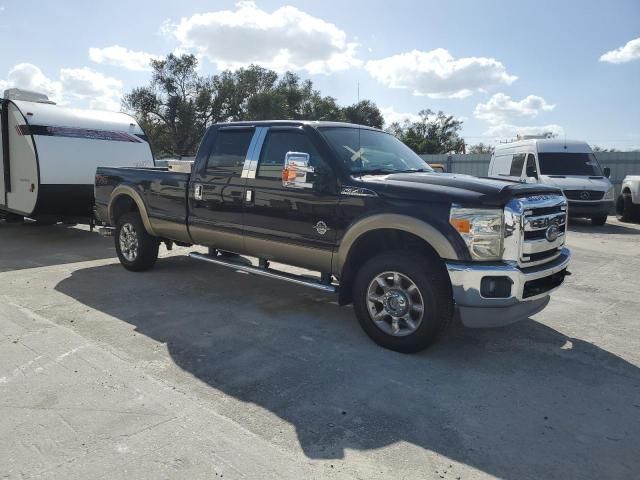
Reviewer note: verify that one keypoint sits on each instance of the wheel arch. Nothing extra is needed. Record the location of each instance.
(123, 199)
(384, 232)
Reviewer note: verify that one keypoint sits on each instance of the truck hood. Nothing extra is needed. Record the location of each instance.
(577, 182)
(452, 187)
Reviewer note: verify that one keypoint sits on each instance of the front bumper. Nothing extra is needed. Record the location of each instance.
(529, 294)
(590, 209)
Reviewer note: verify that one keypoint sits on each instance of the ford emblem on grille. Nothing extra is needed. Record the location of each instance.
(585, 195)
(552, 233)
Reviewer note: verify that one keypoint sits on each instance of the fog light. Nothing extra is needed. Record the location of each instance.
(495, 287)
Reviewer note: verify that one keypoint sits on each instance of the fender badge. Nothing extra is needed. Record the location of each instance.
(321, 227)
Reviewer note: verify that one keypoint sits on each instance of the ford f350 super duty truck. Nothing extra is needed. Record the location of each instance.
(406, 246)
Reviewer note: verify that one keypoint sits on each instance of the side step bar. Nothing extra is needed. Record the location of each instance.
(267, 272)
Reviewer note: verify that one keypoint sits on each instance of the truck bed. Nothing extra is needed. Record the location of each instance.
(163, 192)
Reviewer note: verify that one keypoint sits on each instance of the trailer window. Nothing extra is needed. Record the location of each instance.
(230, 148)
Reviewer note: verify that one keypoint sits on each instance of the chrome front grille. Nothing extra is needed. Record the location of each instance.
(535, 229)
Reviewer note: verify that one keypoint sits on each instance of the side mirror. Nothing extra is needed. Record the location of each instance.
(607, 172)
(296, 168)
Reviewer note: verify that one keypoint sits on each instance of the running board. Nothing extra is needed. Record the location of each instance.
(267, 272)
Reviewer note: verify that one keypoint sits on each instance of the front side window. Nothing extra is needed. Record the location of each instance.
(276, 146)
(563, 163)
(372, 151)
(230, 148)
(531, 169)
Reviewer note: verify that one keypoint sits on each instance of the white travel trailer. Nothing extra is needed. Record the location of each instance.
(49, 155)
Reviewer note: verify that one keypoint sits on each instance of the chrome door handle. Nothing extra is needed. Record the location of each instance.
(249, 195)
(197, 191)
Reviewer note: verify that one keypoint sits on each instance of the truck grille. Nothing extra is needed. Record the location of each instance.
(584, 195)
(535, 229)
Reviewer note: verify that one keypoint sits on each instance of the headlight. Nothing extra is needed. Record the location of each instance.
(610, 194)
(481, 229)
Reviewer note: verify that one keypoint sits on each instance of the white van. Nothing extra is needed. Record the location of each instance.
(49, 155)
(569, 165)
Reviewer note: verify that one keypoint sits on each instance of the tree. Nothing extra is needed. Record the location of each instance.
(172, 109)
(365, 112)
(481, 148)
(178, 105)
(433, 133)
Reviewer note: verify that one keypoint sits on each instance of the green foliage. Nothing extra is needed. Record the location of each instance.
(179, 104)
(481, 148)
(433, 133)
(364, 112)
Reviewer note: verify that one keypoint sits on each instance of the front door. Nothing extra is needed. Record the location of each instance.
(291, 225)
(216, 193)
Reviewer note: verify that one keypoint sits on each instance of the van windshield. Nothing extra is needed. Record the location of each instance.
(563, 163)
(372, 151)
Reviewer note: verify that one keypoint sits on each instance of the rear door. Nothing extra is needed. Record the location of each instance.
(217, 189)
(291, 225)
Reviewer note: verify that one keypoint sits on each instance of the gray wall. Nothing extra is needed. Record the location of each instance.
(620, 163)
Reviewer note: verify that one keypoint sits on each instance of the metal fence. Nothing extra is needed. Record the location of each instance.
(620, 163)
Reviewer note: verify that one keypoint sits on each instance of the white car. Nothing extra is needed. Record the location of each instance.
(567, 164)
(628, 203)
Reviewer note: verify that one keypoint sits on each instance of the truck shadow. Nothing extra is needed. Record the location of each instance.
(518, 402)
(26, 245)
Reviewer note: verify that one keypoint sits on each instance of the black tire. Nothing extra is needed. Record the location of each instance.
(626, 211)
(429, 275)
(599, 221)
(143, 251)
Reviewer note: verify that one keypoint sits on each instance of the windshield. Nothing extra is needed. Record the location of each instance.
(561, 163)
(373, 151)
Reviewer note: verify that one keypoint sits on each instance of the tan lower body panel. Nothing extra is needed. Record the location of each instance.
(297, 255)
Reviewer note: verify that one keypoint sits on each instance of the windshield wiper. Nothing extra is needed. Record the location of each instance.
(386, 171)
(373, 171)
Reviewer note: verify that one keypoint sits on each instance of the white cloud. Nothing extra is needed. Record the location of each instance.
(628, 52)
(75, 86)
(438, 74)
(122, 57)
(87, 85)
(287, 38)
(29, 77)
(504, 130)
(501, 108)
(391, 116)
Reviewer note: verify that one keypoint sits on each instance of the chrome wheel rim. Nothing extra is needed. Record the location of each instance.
(395, 304)
(128, 242)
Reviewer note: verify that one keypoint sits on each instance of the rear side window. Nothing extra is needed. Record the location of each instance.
(276, 146)
(230, 148)
(517, 162)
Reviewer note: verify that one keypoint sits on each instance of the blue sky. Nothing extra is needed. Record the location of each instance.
(503, 67)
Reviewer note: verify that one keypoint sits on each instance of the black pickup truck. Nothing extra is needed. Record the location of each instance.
(407, 246)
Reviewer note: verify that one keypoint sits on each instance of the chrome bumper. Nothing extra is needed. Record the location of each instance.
(525, 299)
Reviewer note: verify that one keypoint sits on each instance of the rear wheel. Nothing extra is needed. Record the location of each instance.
(599, 221)
(626, 211)
(137, 250)
(403, 300)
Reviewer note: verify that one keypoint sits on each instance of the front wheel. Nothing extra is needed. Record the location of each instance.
(137, 250)
(403, 300)
(625, 209)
